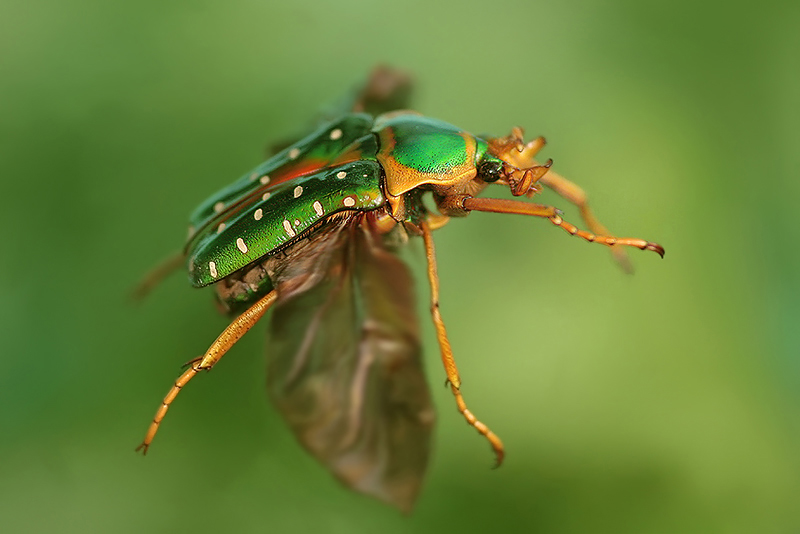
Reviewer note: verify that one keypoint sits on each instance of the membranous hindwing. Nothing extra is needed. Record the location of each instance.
(345, 368)
(290, 209)
(312, 153)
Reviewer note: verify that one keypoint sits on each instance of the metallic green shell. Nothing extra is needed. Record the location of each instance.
(288, 210)
(331, 170)
(425, 144)
(308, 155)
(417, 150)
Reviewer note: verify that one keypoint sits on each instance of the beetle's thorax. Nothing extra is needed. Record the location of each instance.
(420, 152)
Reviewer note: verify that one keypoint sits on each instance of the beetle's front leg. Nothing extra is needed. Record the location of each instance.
(514, 150)
(571, 192)
(215, 352)
(577, 196)
(467, 203)
(446, 351)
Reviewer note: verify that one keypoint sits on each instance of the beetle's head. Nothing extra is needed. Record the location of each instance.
(509, 161)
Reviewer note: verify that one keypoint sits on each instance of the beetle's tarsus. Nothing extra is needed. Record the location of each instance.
(238, 327)
(606, 240)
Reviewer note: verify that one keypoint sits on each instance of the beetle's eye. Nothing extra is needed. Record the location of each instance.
(490, 171)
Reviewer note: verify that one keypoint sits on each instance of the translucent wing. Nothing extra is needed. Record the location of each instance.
(344, 361)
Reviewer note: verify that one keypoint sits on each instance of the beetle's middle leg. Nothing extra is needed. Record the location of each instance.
(446, 351)
(215, 352)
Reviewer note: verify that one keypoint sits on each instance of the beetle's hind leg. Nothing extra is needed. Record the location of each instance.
(447, 353)
(215, 352)
(157, 274)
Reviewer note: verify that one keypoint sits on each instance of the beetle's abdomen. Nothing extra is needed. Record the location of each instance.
(284, 213)
(416, 150)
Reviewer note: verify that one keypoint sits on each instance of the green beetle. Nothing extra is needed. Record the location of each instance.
(311, 232)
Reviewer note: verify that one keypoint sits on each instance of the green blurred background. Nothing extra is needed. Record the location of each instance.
(665, 402)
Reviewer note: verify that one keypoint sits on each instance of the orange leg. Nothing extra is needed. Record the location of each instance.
(521, 155)
(447, 353)
(577, 196)
(157, 274)
(497, 205)
(215, 352)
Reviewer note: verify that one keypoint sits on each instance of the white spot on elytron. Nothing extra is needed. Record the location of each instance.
(341, 174)
(258, 214)
(241, 246)
(298, 191)
(264, 179)
(336, 134)
(253, 177)
(221, 227)
(349, 202)
(218, 207)
(212, 267)
(297, 222)
(293, 153)
(266, 195)
(288, 227)
(318, 208)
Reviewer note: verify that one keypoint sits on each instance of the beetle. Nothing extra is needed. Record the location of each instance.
(312, 232)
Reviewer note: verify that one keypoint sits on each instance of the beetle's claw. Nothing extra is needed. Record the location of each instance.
(499, 455)
(655, 247)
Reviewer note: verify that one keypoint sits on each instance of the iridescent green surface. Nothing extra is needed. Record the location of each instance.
(425, 144)
(291, 209)
(661, 403)
(305, 156)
